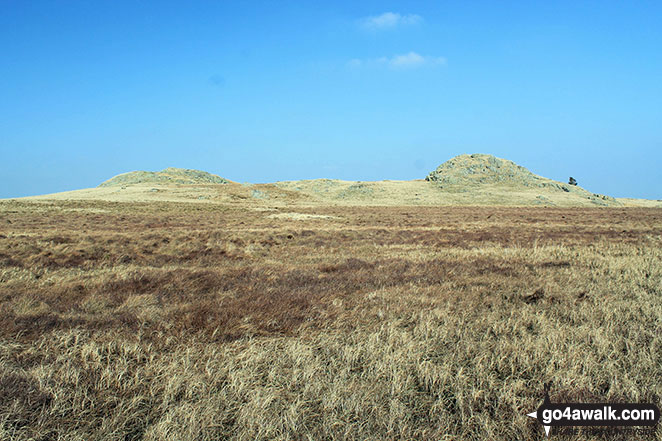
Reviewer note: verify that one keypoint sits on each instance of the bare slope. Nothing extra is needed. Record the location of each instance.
(170, 175)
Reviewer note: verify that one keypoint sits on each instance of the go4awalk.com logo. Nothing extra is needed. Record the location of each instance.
(615, 415)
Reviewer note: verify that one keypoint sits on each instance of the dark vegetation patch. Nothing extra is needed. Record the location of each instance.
(247, 299)
(21, 399)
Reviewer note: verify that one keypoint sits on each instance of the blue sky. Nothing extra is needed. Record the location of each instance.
(266, 91)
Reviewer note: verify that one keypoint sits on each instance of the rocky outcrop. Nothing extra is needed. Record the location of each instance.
(169, 175)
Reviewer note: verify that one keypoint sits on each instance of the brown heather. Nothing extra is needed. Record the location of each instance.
(166, 321)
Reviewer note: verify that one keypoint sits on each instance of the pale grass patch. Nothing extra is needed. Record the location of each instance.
(300, 216)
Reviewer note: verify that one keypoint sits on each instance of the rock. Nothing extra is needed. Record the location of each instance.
(257, 194)
(482, 169)
(473, 172)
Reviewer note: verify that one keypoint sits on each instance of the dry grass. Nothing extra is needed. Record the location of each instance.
(313, 193)
(167, 321)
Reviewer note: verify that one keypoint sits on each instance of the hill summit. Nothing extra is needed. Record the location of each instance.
(469, 173)
(480, 168)
(170, 175)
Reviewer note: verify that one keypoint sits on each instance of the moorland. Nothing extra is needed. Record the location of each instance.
(168, 320)
(313, 310)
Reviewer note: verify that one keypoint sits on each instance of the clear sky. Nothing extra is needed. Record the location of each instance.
(266, 91)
